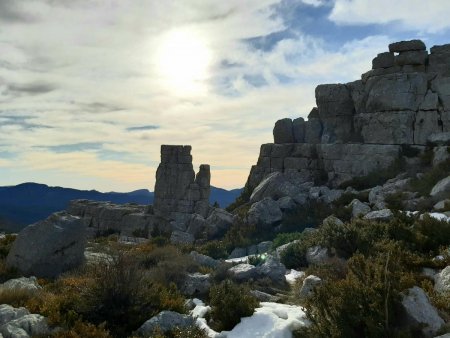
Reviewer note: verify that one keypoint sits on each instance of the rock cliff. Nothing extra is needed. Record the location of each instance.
(361, 126)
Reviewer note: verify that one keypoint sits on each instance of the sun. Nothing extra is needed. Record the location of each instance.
(183, 60)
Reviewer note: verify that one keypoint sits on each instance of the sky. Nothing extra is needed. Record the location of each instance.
(90, 89)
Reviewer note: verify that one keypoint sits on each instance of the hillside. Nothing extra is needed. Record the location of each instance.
(29, 202)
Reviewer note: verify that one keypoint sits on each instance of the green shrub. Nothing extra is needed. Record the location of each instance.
(168, 265)
(230, 302)
(394, 201)
(285, 238)
(294, 256)
(243, 198)
(308, 215)
(188, 332)
(215, 249)
(425, 183)
(124, 297)
(365, 303)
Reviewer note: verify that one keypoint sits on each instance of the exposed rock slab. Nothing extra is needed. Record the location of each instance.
(49, 247)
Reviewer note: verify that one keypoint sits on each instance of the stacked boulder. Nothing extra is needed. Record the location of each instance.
(361, 126)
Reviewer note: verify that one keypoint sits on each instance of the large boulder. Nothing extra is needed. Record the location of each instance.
(25, 327)
(243, 271)
(196, 284)
(165, 321)
(273, 269)
(359, 208)
(265, 213)
(443, 280)
(309, 283)
(218, 222)
(204, 260)
(23, 284)
(441, 189)
(420, 312)
(382, 215)
(283, 131)
(317, 255)
(50, 247)
(181, 237)
(275, 186)
(9, 313)
(404, 46)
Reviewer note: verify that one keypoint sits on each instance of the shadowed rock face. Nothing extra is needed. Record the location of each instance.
(178, 190)
(359, 127)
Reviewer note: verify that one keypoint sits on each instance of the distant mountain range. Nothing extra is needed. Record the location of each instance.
(27, 203)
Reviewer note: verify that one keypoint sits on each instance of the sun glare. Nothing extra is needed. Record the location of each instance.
(183, 59)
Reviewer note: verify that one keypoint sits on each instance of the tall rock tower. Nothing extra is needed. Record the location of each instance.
(178, 191)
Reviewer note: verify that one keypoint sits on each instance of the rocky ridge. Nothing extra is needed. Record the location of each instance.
(362, 126)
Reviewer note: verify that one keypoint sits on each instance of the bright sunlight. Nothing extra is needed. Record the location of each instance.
(183, 59)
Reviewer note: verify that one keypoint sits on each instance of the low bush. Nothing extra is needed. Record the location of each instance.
(168, 265)
(363, 304)
(188, 332)
(215, 249)
(230, 302)
(285, 238)
(424, 183)
(308, 215)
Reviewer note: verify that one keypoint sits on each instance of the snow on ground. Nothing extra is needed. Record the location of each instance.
(439, 216)
(271, 320)
(293, 275)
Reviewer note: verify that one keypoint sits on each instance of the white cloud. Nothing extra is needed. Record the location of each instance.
(426, 16)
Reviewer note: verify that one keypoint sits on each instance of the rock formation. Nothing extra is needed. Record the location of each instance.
(181, 207)
(50, 247)
(360, 126)
(178, 190)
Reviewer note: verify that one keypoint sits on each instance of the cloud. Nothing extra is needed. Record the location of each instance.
(30, 88)
(11, 12)
(75, 147)
(19, 121)
(426, 16)
(143, 128)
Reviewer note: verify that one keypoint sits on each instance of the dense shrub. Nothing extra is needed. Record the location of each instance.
(308, 215)
(425, 182)
(188, 332)
(365, 303)
(215, 249)
(168, 265)
(230, 302)
(294, 256)
(285, 238)
(121, 295)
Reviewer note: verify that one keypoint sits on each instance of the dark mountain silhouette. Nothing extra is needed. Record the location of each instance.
(27, 203)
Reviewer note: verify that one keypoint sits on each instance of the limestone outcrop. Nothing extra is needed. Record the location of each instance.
(181, 207)
(178, 190)
(50, 247)
(361, 126)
